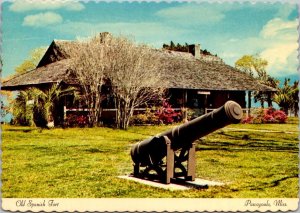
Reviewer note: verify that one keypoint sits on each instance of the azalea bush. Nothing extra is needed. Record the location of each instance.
(167, 114)
(74, 120)
(269, 115)
(164, 114)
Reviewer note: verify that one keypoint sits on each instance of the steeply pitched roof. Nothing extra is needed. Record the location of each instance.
(181, 70)
(51, 73)
(56, 51)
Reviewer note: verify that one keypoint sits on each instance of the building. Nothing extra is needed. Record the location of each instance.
(194, 80)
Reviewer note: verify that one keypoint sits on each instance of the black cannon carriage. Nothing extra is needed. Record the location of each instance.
(172, 154)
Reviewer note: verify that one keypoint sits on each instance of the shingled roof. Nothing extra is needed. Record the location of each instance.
(181, 70)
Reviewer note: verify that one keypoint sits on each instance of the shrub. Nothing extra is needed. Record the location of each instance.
(280, 116)
(167, 114)
(139, 119)
(193, 113)
(148, 117)
(269, 115)
(164, 114)
(74, 120)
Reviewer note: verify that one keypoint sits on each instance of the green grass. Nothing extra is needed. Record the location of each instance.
(85, 162)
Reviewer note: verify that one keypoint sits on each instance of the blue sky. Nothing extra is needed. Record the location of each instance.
(229, 30)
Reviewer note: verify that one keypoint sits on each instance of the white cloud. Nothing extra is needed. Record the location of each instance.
(28, 5)
(42, 19)
(192, 14)
(276, 42)
(281, 52)
(278, 28)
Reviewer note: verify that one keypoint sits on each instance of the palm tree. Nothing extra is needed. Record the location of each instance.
(295, 97)
(23, 111)
(36, 106)
(285, 96)
(46, 100)
(263, 97)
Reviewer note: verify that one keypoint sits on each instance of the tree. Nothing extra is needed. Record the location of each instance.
(135, 76)
(89, 60)
(6, 98)
(131, 71)
(287, 96)
(178, 47)
(255, 66)
(263, 97)
(46, 100)
(35, 106)
(22, 111)
(31, 62)
(295, 98)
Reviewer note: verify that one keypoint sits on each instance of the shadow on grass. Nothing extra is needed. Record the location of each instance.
(249, 146)
(245, 142)
(20, 130)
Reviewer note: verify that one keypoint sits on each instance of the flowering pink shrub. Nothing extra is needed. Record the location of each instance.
(247, 120)
(81, 120)
(167, 115)
(164, 114)
(280, 116)
(76, 120)
(269, 115)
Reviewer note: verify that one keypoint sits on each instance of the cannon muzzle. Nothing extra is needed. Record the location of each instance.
(151, 151)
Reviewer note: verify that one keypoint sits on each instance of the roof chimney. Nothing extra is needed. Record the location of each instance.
(104, 36)
(195, 50)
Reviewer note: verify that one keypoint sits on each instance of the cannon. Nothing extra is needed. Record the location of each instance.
(171, 155)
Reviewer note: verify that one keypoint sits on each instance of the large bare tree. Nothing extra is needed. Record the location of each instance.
(131, 69)
(89, 65)
(135, 75)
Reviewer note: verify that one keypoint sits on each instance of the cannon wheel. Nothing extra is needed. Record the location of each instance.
(183, 155)
(182, 172)
(159, 173)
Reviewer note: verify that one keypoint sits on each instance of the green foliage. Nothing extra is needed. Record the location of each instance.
(255, 66)
(31, 62)
(287, 96)
(6, 98)
(39, 115)
(86, 162)
(147, 117)
(178, 47)
(23, 110)
(182, 48)
(35, 106)
(192, 113)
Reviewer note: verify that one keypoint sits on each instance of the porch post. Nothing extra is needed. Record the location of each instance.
(249, 103)
(184, 98)
(184, 104)
(65, 110)
(269, 99)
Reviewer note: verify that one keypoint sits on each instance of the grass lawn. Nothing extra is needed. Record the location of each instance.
(254, 160)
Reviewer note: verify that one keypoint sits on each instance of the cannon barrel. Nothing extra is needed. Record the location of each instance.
(151, 151)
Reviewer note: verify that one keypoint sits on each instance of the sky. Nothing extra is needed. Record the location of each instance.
(229, 30)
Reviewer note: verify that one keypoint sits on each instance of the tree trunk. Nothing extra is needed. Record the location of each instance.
(124, 113)
(269, 100)
(262, 103)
